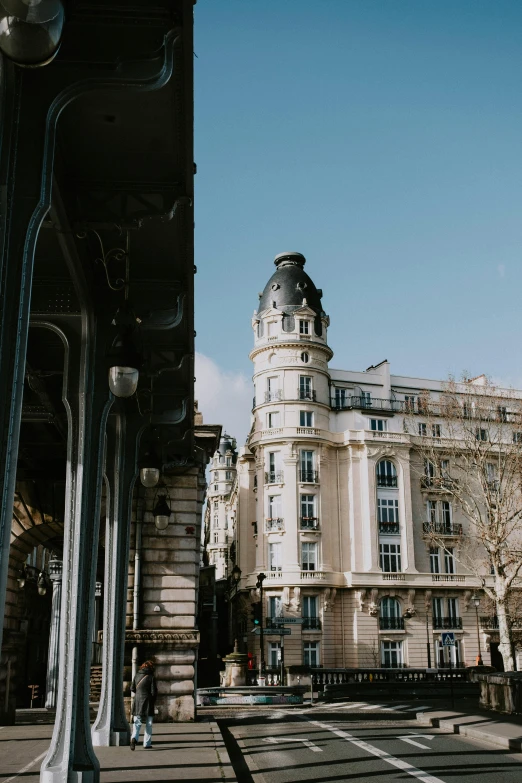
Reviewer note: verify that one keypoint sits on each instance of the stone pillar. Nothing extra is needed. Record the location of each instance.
(111, 726)
(235, 668)
(53, 662)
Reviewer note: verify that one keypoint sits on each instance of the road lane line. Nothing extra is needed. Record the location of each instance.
(392, 760)
(26, 768)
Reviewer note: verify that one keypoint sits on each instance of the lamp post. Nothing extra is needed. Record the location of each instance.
(236, 576)
(428, 645)
(259, 584)
(476, 600)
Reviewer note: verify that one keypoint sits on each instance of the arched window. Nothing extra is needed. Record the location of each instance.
(386, 474)
(390, 607)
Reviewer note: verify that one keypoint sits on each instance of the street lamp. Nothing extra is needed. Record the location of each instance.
(123, 357)
(476, 600)
(161, 512)
(236, 576)
(259, 584)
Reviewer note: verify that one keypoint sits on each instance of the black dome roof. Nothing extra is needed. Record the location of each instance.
(289, 285)
(226, 444)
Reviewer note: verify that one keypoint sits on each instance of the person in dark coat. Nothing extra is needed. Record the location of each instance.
(144, 689)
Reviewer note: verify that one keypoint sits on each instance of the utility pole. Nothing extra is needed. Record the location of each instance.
(259, 584)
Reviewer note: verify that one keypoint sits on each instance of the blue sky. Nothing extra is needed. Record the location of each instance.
(383, 140)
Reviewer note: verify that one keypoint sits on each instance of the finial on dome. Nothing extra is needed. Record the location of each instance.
(290, 258)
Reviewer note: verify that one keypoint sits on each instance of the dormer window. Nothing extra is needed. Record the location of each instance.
(272, 328)
(304, 327)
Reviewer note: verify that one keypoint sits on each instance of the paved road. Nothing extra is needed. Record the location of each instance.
(366, 746)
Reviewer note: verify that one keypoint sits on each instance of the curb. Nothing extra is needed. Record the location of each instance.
(226, 768)
(474, 731)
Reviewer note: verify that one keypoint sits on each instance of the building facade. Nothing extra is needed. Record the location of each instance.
(332, 503)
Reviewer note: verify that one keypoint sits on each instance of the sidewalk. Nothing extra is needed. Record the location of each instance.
(505, 731)
(184, 752)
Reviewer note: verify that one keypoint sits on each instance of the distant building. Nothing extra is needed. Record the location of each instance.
(328, 504)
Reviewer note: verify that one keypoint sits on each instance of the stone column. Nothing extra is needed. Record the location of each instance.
(53, 662)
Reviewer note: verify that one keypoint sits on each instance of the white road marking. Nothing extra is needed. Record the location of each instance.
(386, 757)
(418, 744)
(393, 709)
(373, 707)
(27, 767)
(307, 742)
(424, 707)
(350, 706)
(336, 705)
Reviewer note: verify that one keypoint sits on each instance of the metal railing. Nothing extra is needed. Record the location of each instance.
(306, 394)
(386, 481)
(440, 483)
(309, 523)
(311, 624)
(271, 396)
(274, 477)
(443, 623)
(356, 401)
(307, 476)
(441, 529)
(274, 523)
(447, 578)
(391, 623)
(400, 673)
(389, 527)
(490, 622)
(393, 576)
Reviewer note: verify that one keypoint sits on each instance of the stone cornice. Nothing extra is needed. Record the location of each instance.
(176, 638)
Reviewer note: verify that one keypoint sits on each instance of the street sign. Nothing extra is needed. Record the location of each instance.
(448, 639)
(286, 620)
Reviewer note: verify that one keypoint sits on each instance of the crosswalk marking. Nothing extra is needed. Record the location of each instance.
(364, 705)
(394, 708)
(373, 707)
(350, 706)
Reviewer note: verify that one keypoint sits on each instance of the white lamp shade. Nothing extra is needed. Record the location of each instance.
(149, 477)
(161, 521)
(123, 381)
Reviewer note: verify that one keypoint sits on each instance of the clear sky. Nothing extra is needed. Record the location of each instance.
(383, 140)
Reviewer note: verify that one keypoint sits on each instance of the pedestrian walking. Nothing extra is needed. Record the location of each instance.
(144, 689)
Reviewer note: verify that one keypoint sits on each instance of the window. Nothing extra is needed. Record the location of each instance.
(445, 654)
(386, 474)
(481, 434)
(438, 608)
(307, 473)
(308, 556)
(304, 327)
(216, 522)
(449, 561)
(306, 419)
(311, 653)
(431, 512)
(305, 387)
(216, 538)
(435, 430)
(445, 513)
(444, 468)
(308, 519)
(273, 420)
(390, 607)
(502, 413)
(422, 429)
(390, 557)
(275, 606)
(215, 487)
(391, 654)
(517, 437)
(453, 608)
(274, 507)
(366, 399)
(272, 390)
(272, 328)
(229, 462)
(228, 475)
(434, 561)
(378, 425)
(274, 557)
(305, 357)
(274, 654)
(310, 606)
(388, 515)
(274, 467)
(216, 505)
(409, 403)
(340, 397)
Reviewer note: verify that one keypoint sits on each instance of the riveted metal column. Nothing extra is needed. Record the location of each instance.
(71, 756)
(53, 661)
(111, 726)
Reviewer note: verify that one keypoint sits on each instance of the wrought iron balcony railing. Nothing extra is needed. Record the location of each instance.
(273, 524)
(386, 481)
(391, 623)
(441, 529)
(307, 476)
(361, 402)
(439, 483)
(490, 622)
(306, 394)
(443, 623)
(274, 477)
(389, 527)
(311, 624)
(309, 523)
(271, 396)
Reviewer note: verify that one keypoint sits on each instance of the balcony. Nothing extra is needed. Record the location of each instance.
(445, 623)
(391, 623)
(447, 578)
(490, 622)
(274, 477)
(439, 483)
(386, 481)
(389, 528)
(274, 525)
(309, 523)
(311, 624)
(441, 529)
(363, 403)
(272, 396)
(307, 476)
(306, 394)
(393, 576)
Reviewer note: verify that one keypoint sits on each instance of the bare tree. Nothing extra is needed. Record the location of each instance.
(469, 447)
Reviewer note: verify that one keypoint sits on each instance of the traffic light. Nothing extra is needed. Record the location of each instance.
(256, 614)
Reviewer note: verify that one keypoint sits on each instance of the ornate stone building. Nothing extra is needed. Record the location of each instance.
(331, 504)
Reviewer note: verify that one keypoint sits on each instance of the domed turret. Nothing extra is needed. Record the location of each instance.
(289, 285)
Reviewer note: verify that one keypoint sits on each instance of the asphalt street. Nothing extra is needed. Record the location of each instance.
(357, 745)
